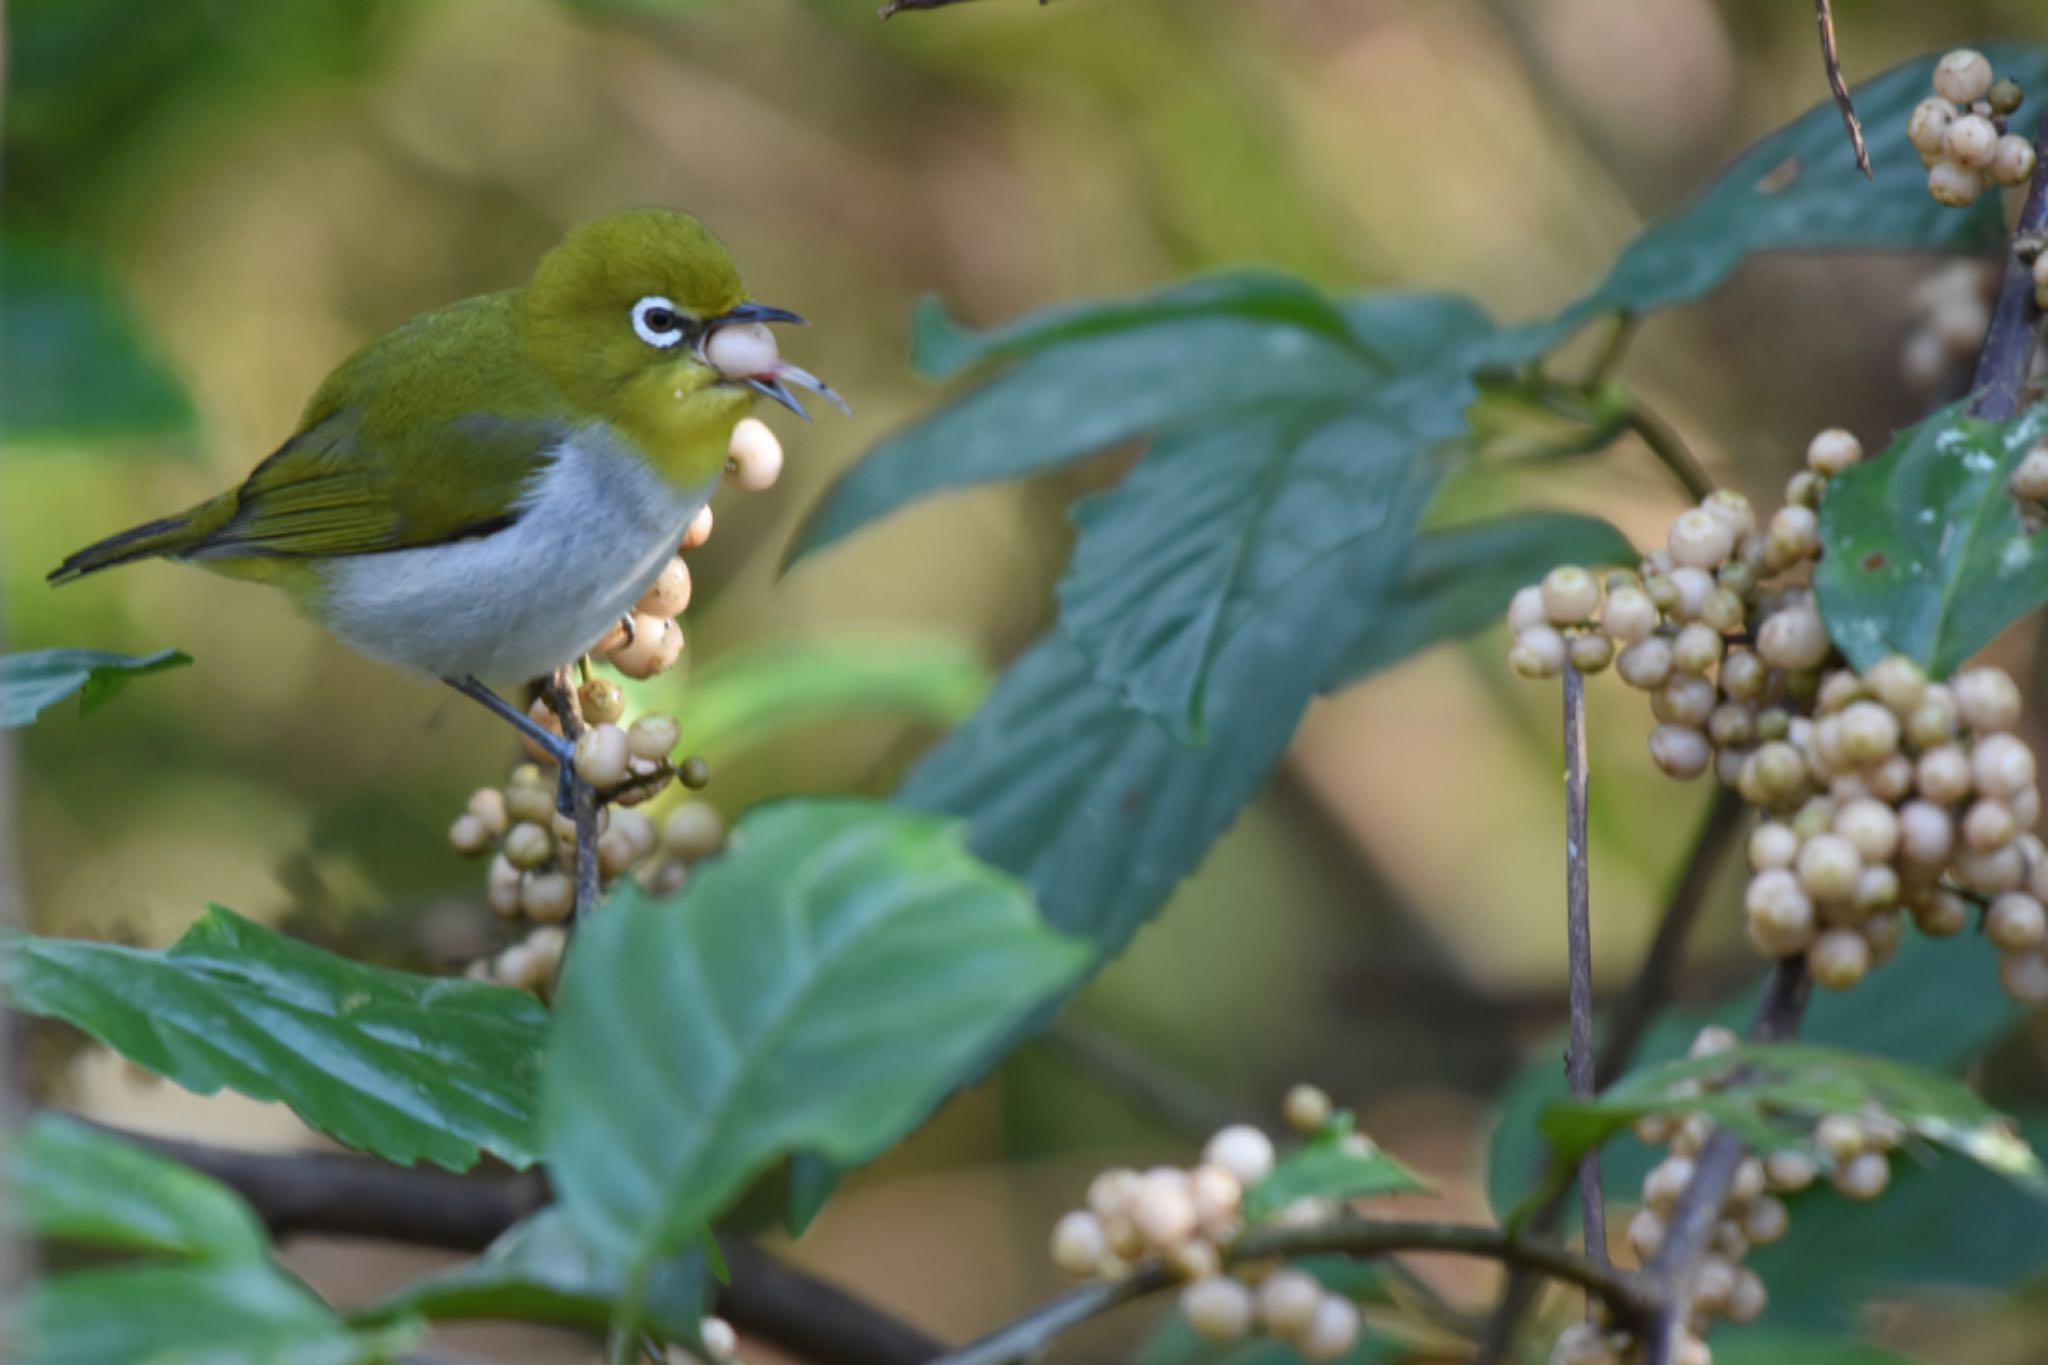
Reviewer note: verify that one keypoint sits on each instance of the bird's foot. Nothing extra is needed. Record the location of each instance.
(559, 748)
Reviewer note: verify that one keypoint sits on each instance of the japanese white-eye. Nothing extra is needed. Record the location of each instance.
(485, 490)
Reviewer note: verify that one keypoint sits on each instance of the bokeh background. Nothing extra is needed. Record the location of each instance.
(267, 185)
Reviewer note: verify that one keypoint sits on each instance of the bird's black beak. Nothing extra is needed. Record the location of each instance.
(772, 385)
(757, 312)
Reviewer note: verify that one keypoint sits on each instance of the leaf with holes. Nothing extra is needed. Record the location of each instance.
(1924, 553)
(403, 1066)
(818, 988)
(31, 683)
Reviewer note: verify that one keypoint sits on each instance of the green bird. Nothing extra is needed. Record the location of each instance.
(486, 490)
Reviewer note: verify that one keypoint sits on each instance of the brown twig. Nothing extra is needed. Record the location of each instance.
(1578, 1057)
(2008, 354)
(1690, 1229)
(1824, 15)
(1631, 1298)
(339, 1195)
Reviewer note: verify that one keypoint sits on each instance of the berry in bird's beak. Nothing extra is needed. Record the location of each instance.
(741, 348)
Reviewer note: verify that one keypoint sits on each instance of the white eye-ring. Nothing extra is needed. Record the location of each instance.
(658, 321)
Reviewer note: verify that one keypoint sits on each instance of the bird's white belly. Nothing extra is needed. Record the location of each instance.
(599, 523)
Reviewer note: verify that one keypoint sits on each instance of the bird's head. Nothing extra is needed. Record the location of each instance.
(640, 317)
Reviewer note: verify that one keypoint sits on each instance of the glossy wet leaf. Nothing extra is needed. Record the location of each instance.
(765, 689)
(818, 988)
(222, 1313)
(543, 1270)
(32, 682)
(66, 1181)
(1787, 1088)
(1458, 580)
(1334, 1163)
(73, 363)
(402, 1066)
(1923, 550)
(1799, 189)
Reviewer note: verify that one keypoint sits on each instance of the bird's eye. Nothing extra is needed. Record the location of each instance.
(658, 321)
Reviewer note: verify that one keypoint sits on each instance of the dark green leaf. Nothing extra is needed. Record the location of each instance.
(222, 1313)
(818, 988)
(71, 361)
(1799, 189)
(758, 692)
(403, 1066)
(68, 1181)
(1458, 580)
(1336, 1163)
(543, 1270)
(1968, 1232)
(1924, 554)
(1765, 1346)
(1928, 1006)
(1108, 372)
(941, 348)
(31, 683)
(1786, 1088)
(812, 1181)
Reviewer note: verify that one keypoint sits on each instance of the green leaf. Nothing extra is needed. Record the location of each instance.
(1765, 1346)
(1786, 1088)
(812, 1181)
(1335, 1163)
(31, 683)
(758, 692)
(72, 363)
(1923, 551)
(1927, 1006)
(1458, 580)
(1090, 376)
(818, 988)
(1799, 189)
(224, 1313)
(1967, 1232)
(399, 1065)
(68, 1181)
(543, 1270)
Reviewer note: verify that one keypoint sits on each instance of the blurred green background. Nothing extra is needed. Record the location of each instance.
(265, 186)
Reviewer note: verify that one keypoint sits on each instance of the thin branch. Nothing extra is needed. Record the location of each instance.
(1632, 1299)
(1824, 15)
(2008, 354)
(1670, 449)
(897, 6)
(1621, 330)
(1578, 1057)
(335, 1194)
(1690, 1229)
(1629, 1020)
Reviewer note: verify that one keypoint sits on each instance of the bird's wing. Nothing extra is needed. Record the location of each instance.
(339, 489)
(429, 434)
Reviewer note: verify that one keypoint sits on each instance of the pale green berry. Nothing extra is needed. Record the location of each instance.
(1870, 732)
(1681, 751)
(2002, 765)
(1645, 1234)
(2025, 977)
(1287, 1302)
(1218, 1308)
(1963, 76)
(1645, 664)
(1697, 648)
(2016, 923)
(1243, 1151)
(1332, 1332)
(1788, 1172)
(1695, 588)
(1877, 888)
(1833, 451)
(1987, 700)
(1306, 1108)
(1764, 1219)
(1772, 844)
(1928, 125)
(468, 836)
(2001, 869)
(1872, 826)
(601, 756)
(1941, 914)
(1590, 652)
(1748, 1301)
(1779, 917)
(1793, 638)
(1943, 775)
(1744, 676)
(2012, 160)
(1898, 682)
(1863, 1176)
(1838, 959)
(1538, 652)
(1685, 699)
(1701, 540)
(549, 896)
(528, 845)
(1732, 725)
(1570, 596)
(693, 830)
(1629, 615)
(1525, 609)
(487, 806)
(1971, 142)
(1666, 1182)
(1989, 826)
(2029, 481)
(1079, 1243)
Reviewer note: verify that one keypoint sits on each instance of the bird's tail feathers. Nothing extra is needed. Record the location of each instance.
(166, 536)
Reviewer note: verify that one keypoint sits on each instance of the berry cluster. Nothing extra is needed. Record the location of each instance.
(1950, 313)
(1887, 794)
(1187, 1220)
(1855, 1149)
(1960, 131)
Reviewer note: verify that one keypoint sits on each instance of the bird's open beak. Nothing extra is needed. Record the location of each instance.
(776, 381)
